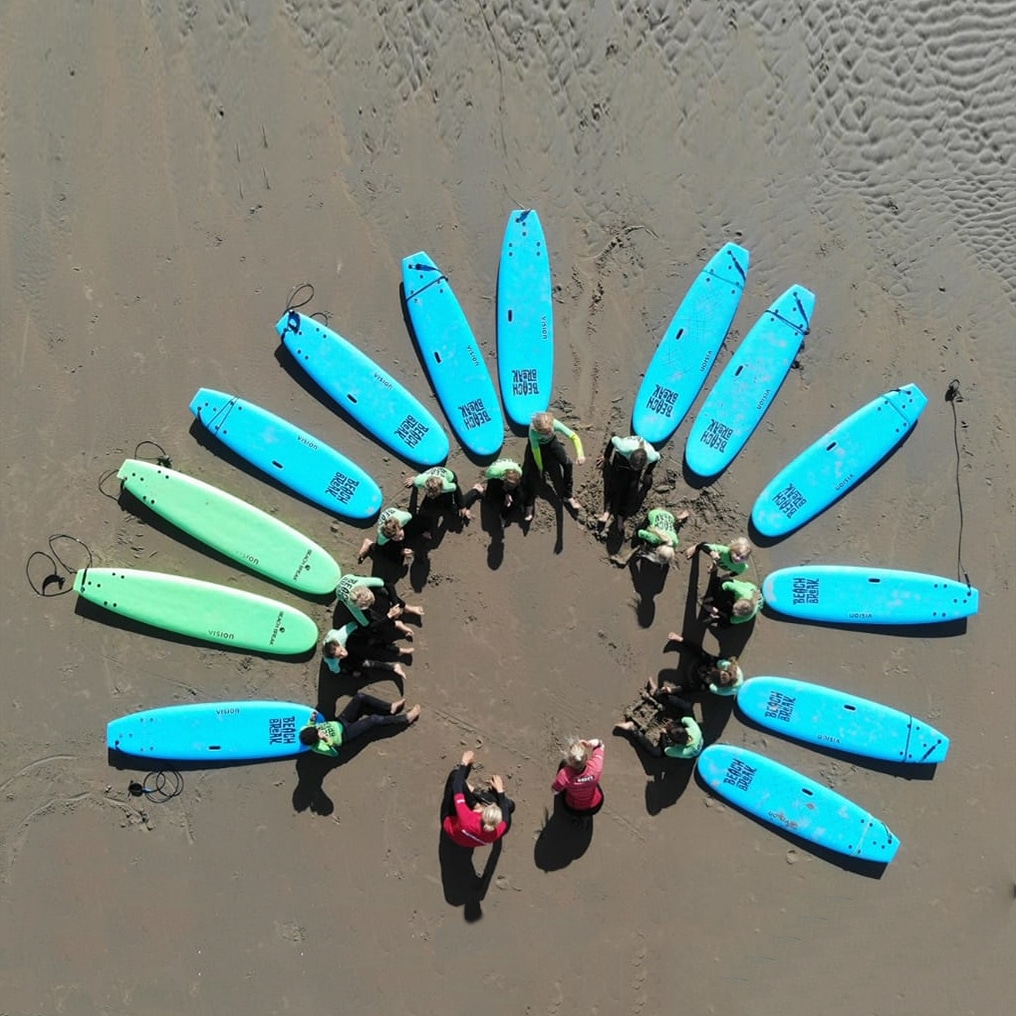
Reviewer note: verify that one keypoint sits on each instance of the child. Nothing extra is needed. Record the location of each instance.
(733, 558)
(627, 464)
(543, 439)
(736, 601)
(360, 715)
(659, 540)
(679, 737)
(354, 592)
(720, 676)
(441, 493)
(344, 651)
(500, 485)
(393, 526)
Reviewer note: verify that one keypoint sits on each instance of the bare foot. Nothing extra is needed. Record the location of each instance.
(398, 671)
(397, 706)
(672, 636)
(404, 630)
(528, 517)
(651, 686)
(690, 552)
(684, 516)
(573, 504)
(627, 725)
(406, 651)
(413, 611)
(413, 714)
(408, 554)
(604, 518)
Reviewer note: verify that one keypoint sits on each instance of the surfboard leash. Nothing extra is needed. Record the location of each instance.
(292, 296)
(162, 459)
(166, 784)
(56, 563)
(952, 396)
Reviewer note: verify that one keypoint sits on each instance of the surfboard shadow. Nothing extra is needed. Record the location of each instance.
(93, 612)
(146, 763)
(133, 506)
(856, 865)
(770, 541)
(932, 630)
(222, 451)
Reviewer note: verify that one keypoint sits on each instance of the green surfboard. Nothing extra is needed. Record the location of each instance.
(233, 527)
(200, 610)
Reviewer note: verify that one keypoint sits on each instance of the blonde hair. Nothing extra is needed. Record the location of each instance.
(745, 606)
(725, 672)
(391, 527)
(490, 817)
(543, 422)
(361, 596)
(433, 486)
(662, 555)
(741, 547)
(512, 477)
(577, 755)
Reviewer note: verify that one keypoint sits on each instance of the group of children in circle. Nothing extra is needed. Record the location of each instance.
(474, 816)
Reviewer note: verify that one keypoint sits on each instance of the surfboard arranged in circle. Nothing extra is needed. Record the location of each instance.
(749, 383)
(233, 527)
(381, 405)
(837, 461)
(453, 359)
(199, 610)
(689, 345)
(211, 732)
(525, 319)
(835, 719)
(787, 800)
(288, 454)
(846, 594)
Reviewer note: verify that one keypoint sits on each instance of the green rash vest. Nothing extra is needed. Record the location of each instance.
(743, 590)
(736, 567)
(448, 483)
(694, 745)
(346, 585)
(496, 470)
(333, 729)
(664, 521)
(626, 445)
(537, 440)
(391, 513)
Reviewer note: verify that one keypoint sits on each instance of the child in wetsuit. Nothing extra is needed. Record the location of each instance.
(543, 441)
(627, 464)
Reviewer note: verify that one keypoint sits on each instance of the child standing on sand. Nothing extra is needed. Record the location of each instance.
(733, 558)
(544, 440)
(627, 464)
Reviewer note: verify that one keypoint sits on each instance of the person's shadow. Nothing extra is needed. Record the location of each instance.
(463, 885)
(648, 579)
(564, 838)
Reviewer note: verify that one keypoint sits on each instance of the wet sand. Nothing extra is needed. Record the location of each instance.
(170, 172)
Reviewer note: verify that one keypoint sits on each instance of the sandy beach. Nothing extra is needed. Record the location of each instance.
(171, 171)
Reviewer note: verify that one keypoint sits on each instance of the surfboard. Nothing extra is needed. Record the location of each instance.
(452, 357)
(689, 345)
(199, 610)
(525, 319)
(784, 798)
(837, 462)
(369, 394)
(211, 732)
(233, 527)
(835, 719)
(846, 594)
(288, 454)
(749, 383)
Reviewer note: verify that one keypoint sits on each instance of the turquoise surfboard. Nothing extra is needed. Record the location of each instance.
(233, 527)
(784, 798)
(453, 359)
(367, 392)
(689, 345)
(837, 462)
(211, 732)
(834, 719)
(525, 319)
(289, 455)
(749, 383)
(199, 610)
(845, 594)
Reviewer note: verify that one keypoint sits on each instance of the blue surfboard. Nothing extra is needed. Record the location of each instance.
(784, 798)
(844, 594)
(288, 454)
(749, 383)
(689, 345)
(453, 359)
(212, 732)
(525, 319)
(368, 393)
(837, 462)
(834, 719)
